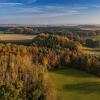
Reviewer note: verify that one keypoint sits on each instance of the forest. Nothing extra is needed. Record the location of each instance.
(27, 70)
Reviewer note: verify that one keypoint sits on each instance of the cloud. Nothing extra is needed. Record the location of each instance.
(42, 20)
(95, 6)
(3, 5)
(23, 13)
(18, 9)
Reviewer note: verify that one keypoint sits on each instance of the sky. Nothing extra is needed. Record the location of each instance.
(58, 12)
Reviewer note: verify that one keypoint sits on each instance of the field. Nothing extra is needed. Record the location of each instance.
(8, 37)
(93, 51)
(97, 37)
(93, 29)
(94, 37)
(76, 85)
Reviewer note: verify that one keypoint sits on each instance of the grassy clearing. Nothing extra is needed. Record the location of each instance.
(93, 51)
(92, 29)
(76, 85)
(97, 37)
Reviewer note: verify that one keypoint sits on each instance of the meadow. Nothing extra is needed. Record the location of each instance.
(91, 51)
(97, 37)
(74, 84)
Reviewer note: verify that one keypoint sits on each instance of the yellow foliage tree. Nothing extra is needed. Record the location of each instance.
(45, 61)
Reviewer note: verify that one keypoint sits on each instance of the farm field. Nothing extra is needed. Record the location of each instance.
(16, 37)
(97, 37)
(73, 84)
(93, 29)
(94, 51)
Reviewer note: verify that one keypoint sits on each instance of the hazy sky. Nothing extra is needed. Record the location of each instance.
(49, 11)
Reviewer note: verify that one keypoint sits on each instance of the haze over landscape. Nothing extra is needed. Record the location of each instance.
(50, 12)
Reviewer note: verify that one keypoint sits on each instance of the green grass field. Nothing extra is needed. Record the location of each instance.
(76, 85)
(93, 51)
(97, 37)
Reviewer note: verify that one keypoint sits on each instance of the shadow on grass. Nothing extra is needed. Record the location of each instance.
(84, 87)
(74, 73)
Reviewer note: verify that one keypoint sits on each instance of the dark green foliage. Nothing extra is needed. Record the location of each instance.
(92, 43)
